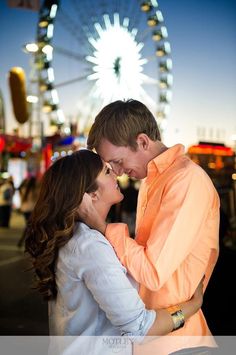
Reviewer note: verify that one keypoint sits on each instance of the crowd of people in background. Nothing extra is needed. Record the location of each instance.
(6, 196)
(28, 194)
(28, 191)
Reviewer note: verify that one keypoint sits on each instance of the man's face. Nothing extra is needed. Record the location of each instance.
(124, 160)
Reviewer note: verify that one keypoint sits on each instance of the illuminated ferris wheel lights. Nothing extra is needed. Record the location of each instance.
(156, 19)
(116, 66)
(163, 49)
(51, 77)
(165, 97)
(60, 116)
(98, 28)
(139, 47)
(43, 23)
(163, 124)
(147, 79)
(47, 49)
(152, 21)
(146, 6)
(32, 99)
(126, 22)
(166, 81)
(164, 110)
(93, 42)
(50, 30)
(134, 32)
(94, 76)
(45, 86)
(49, 107)
(154, 3)
(142, 62)
(31, 47)
(53, 10)
(116, 19)
(54, 95)
(160, 34)
(159, 16)
(165, 65)
(118, 63)
(160, 115)
(91, 59)
(107, 21)
(48, 16)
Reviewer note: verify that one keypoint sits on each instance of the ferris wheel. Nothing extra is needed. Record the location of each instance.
(94, 52)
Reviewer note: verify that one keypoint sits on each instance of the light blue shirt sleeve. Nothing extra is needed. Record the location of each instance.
(98, 266)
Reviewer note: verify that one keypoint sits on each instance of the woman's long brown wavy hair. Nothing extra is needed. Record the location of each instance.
(53, 219)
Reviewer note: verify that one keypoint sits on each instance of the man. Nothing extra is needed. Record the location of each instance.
(177, 223)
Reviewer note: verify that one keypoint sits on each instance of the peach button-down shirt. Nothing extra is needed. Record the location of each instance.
(177, 235)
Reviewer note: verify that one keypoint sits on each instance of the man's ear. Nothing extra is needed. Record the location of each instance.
(143, 141)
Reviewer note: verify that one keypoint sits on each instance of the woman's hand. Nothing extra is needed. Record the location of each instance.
(164, 322)
(89, 215)
(197, 297)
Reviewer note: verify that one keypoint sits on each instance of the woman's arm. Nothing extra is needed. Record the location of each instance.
(104, 276)
(165, 320)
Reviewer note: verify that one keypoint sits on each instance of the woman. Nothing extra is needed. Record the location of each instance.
(77, 269)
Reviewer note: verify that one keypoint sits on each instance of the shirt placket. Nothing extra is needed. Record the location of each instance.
(145, 198)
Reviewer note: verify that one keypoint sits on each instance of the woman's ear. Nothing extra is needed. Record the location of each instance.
(143, 141)
(94, 195)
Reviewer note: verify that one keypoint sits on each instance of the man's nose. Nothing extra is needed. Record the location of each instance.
(118, 170)
(113, 174)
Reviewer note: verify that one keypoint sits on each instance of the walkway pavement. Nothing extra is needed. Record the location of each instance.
(22, 311)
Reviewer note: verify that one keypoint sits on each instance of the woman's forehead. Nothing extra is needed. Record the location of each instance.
(106, 164)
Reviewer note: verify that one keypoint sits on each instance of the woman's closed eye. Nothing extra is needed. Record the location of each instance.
(107, 171)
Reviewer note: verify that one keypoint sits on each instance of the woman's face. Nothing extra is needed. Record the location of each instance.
(108, 188)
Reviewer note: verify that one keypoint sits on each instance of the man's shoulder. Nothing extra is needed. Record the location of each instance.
(186, 169)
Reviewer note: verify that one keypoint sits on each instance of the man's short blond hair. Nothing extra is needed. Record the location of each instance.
(120, 123)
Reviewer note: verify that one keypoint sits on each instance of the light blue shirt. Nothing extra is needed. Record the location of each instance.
(95, 294)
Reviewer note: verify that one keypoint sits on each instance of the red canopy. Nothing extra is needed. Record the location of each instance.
(14, 144)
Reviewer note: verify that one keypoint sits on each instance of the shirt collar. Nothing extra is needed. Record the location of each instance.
(164, 160)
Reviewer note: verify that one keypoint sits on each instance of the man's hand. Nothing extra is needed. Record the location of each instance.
(89, 215)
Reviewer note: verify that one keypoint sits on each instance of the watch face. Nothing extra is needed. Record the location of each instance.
(178, 319)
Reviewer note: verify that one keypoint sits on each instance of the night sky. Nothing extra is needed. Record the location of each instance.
(202, 37)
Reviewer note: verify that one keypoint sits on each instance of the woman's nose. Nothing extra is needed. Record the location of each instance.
(113, 173)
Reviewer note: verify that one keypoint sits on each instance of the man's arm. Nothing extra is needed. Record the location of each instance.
(174, 234)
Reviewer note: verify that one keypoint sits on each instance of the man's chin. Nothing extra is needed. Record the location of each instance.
(135, 176)
(132, 174)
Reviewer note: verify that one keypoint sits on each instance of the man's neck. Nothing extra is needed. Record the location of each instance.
(157, 148)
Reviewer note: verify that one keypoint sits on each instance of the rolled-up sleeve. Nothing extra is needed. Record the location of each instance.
(106, 279)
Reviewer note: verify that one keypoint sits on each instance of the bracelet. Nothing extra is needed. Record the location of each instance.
(177, 317)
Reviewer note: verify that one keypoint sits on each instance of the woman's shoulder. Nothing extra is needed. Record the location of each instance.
(89, 251)
(84, 237)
